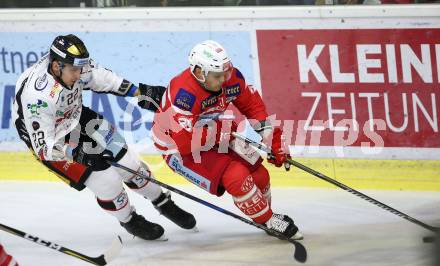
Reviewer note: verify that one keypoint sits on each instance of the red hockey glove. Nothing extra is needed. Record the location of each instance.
(279, 156)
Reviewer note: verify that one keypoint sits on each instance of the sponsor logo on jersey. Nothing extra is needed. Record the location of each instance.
(68, 117)
(55, 89)
(61, 116)
(34, 108)
(184, 100)
(109, 135)
(59, 113)
(210, 116)
(208, 102)
(189, 174)
(141, 181)
(121, 200)
(67, 165)
(35, 125)
(42, 152)
(233, 91)
(221, 102)
(41, 82)
(81, 62)
(185, 122)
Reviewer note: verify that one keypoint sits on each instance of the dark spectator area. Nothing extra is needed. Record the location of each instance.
(183, 3)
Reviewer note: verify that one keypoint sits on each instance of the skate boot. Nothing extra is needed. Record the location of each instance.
(140, 227)
(169, 209)
(284, 225)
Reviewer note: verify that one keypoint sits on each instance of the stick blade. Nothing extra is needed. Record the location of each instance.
(300, 253)
(429, 239)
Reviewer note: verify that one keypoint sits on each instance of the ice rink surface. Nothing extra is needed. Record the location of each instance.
(340, 229)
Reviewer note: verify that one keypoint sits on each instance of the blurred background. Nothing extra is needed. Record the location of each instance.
(175, 3)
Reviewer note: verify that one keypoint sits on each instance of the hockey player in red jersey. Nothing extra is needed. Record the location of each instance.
(6, 259)
(191, 130)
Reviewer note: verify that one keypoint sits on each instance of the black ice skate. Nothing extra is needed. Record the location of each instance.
(169, 209)
(284, 225)
(140, 227)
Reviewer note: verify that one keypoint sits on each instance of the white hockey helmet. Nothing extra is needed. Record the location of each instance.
(210, 56)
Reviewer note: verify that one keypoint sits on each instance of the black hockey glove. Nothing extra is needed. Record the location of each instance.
(97, 162)
(150, 96)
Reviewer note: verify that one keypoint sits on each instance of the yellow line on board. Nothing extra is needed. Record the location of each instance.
(356, 173)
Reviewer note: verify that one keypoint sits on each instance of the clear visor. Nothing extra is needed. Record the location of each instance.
(228, 67)
(227, 72)
(81, 62)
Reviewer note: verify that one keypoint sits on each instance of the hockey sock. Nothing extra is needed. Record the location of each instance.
(137, 183)
(246, 195)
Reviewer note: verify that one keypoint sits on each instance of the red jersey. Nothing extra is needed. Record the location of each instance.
(186, 102)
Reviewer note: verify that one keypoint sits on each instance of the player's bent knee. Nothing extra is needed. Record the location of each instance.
(234, 178)
(261, 178)
(105, 184)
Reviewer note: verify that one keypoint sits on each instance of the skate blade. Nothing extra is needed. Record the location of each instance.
(297, 236)
(194, 229)
(162, 238)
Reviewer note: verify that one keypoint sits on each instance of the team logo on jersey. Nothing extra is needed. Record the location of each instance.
(41, 82)
(55, 89)
(248, 184)
(184, 100)
(35, 107)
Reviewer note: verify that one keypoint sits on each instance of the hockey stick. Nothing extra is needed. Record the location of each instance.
(300, 253)
(103, 259)
(267, 150)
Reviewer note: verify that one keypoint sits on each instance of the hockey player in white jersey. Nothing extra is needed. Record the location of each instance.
(75, 142)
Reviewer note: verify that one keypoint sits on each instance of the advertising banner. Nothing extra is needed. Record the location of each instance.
(354, 87)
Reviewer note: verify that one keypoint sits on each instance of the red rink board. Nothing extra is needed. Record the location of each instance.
(378, 70)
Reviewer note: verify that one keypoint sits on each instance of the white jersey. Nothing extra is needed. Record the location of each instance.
(49, 111)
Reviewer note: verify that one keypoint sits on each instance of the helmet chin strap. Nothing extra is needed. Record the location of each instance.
(202, 82)
(58, 77)
(199, 80)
